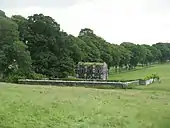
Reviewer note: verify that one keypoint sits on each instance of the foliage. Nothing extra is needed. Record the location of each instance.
(38, 44)
(153, 76)
(165, 51)
(13, 78)
(2, 13)
(14, 56)
(36, 76)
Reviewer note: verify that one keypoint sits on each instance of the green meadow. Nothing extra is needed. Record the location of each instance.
(28, 106)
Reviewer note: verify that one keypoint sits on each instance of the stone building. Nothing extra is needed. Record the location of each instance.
(92, 70)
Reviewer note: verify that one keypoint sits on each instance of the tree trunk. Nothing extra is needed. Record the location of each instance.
(116, 69)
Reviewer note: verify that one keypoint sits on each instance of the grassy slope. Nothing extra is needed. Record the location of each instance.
(66, 107)
(139, 73)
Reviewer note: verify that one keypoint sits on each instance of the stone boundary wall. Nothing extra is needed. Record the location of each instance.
(83, 83)
(73, 83)
(147, 82)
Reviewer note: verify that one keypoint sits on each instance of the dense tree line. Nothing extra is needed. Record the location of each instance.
(37, 45)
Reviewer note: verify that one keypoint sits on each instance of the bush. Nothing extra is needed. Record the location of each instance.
(153, 76)
(37, 76)
(13, 78)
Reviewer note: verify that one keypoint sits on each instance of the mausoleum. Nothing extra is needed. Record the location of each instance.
(92, 70)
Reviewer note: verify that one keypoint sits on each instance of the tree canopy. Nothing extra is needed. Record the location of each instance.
(37, 44)
(14, 55)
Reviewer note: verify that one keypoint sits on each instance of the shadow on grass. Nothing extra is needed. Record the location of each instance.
(152, 87)
(129, 87)
(105, 87)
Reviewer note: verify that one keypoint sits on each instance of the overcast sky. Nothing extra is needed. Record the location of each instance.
(137, 21)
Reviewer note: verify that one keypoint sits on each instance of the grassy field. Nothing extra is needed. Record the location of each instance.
(139, 73)
(23, 106)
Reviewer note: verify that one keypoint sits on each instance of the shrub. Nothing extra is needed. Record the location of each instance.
(37, 76)
(153, 76)
(13, 78)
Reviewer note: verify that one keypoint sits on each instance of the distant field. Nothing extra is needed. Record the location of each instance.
(24, 106)
(140, 72)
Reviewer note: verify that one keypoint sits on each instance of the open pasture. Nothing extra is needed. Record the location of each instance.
(24, 106)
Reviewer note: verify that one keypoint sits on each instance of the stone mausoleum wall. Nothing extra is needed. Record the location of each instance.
(89, 70)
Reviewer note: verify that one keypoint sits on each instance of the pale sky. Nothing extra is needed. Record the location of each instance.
(137, 21)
